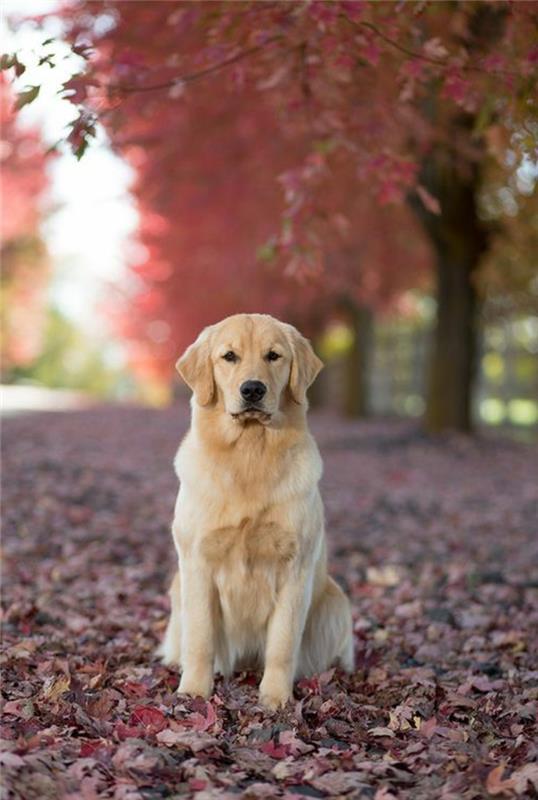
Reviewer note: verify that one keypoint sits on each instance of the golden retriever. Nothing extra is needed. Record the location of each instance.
(252, 589)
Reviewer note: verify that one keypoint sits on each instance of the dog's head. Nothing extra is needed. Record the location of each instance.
(250, 365)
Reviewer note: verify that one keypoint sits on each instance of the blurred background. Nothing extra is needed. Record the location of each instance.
(133, 216)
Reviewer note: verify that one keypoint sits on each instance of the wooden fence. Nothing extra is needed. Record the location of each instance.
(507, 372)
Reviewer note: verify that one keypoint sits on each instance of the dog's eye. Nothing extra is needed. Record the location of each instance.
(230, 356)
(272, 356)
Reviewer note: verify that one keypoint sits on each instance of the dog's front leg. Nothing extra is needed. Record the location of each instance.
(197, 627)
(284, 635)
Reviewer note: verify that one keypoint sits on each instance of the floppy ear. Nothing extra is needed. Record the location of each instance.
(305, 365)
(196, 369)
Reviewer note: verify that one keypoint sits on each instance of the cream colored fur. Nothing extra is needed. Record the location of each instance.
(252, 588)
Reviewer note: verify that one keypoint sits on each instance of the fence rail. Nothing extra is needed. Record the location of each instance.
(506, 390)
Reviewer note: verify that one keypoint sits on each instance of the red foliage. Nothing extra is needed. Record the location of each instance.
(22, 163)
(287, 124)
(24, 268)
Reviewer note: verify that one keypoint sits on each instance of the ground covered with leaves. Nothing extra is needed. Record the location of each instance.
(436, 542)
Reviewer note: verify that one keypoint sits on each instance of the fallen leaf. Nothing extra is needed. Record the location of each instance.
(495, 784)
(381, 731)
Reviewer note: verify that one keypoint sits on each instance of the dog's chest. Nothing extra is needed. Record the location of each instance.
(249, 562)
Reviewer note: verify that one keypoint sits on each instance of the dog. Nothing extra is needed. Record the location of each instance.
(252, 590)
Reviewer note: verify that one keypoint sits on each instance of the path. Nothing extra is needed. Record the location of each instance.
(437, 543)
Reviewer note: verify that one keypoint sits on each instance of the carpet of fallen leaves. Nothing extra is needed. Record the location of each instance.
(436, 542)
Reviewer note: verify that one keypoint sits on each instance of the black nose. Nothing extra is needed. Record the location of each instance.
(252, 391)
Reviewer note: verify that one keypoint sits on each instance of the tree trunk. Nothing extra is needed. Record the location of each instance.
(459, 238)
(452, 368)
(452, 174)
(315, 393)
(357, 362)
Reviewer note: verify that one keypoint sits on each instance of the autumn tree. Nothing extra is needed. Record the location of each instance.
(400, 102)
(211, 208)
(24, 261)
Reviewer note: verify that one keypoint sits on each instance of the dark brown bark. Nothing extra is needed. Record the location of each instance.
(459, 238)
(315, 392)
(356, 401)
(452, 174)
(452, 367)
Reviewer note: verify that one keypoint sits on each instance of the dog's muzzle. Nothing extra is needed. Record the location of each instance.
(252, 392)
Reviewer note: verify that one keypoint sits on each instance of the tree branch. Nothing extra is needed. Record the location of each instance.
(438, 62)
(202, 73)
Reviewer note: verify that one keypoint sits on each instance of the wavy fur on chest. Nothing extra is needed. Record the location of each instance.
(253, 542)
(233, 474)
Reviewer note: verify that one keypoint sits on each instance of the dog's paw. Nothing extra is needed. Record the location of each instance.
(274, 696)
(273, 701)
(195, 687)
